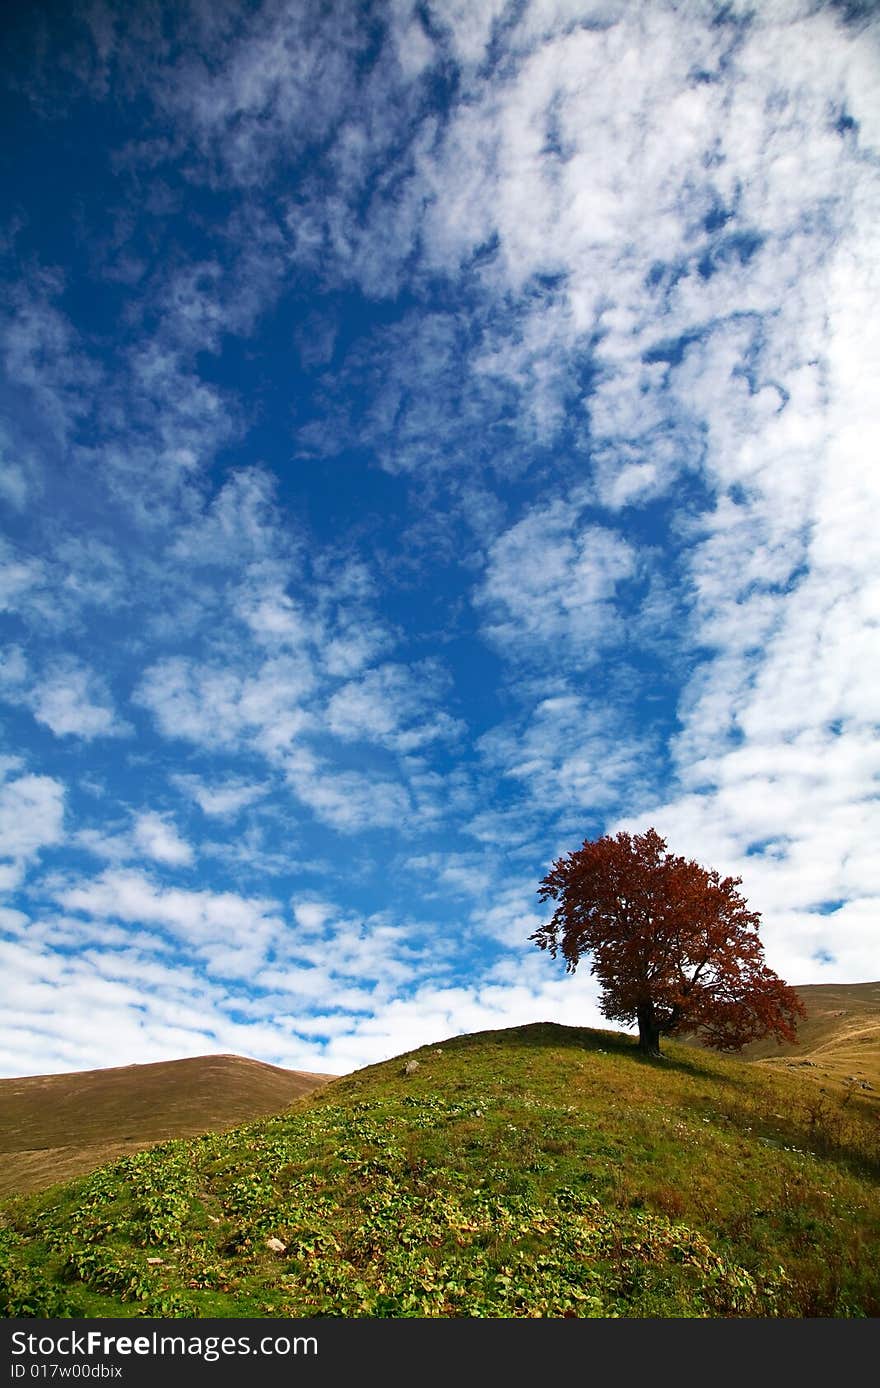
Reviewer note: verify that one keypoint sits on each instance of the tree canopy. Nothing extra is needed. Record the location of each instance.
(673, 944)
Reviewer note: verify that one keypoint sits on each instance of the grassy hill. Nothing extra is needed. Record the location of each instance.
(538, 1171)
(840, 1037)
(838, 1043)
(53, 1127)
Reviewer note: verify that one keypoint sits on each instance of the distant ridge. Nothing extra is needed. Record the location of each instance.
(54, 1127)
(838, 1042)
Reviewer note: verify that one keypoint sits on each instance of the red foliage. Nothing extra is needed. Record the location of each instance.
(674, 945)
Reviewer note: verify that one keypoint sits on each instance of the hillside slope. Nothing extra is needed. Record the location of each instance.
(539, 1171)
(838, 1042)
(840, 1037)
(54, 1127)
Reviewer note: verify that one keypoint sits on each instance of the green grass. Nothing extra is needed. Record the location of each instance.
(540, 1171)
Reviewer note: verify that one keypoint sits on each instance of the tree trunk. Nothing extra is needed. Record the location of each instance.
(649, 1031)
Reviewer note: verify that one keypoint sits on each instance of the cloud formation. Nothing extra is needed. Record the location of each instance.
(431, 434)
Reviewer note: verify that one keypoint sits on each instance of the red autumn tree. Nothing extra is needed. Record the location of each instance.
(673, 944)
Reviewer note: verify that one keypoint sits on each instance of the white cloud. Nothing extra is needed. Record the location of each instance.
(46, 365)
(357, 951)
(68, 697)
(571, 753)
(240, 524)
(391, 705)
(311, 915)
(71, 1011)
(104, 843)
(553, 580)
(19, 577)
(458, 874)
(467, 28)
(222, 706)
(291, 687)
(512, 917)
(349, 801)
(129, 990)
(13, 672)
(143, 1005)
(152, 470)
(779, 729)
(157, 838)
(433, 1014)
(720, 239)
(52, 592)
(221, 799)
(73, 702)
(31, 818)
(272, 616)
(231, 933)
(14, 485)
(146, 835)
(88, 572)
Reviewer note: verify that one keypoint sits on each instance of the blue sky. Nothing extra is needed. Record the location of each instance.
(430, 435)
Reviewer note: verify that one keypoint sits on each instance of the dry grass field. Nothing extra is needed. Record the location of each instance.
(54, 1127)
(838, 1043)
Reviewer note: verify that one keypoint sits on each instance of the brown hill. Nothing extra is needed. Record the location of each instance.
(53, 1127)
(838, 1043)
